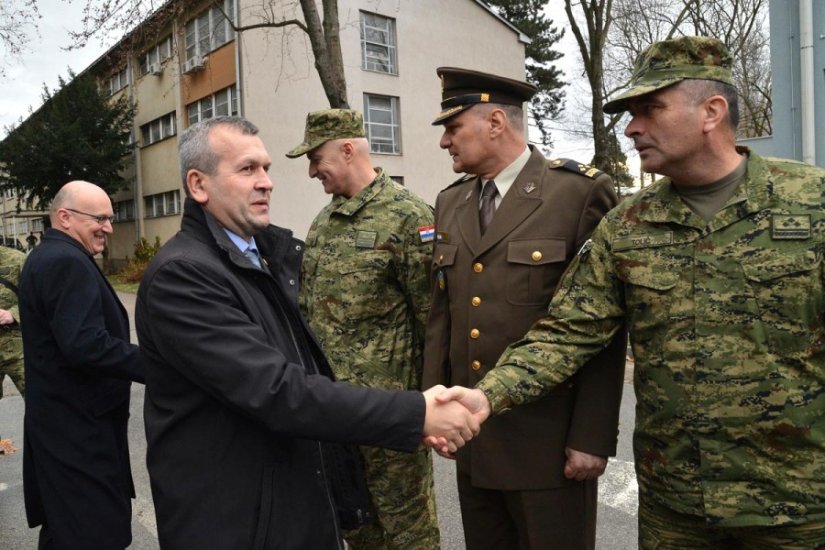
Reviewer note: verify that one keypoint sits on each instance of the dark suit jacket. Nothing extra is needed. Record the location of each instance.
(79, 364)
(238, 395)
(498, 285)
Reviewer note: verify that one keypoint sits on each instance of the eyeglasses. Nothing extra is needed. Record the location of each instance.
(99, 219)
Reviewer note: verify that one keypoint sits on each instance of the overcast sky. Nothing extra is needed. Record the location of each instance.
(44, 61)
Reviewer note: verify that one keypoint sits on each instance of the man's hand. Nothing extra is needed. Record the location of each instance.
(6, 317)
(447, 425)
(581, 466)
(473, 402)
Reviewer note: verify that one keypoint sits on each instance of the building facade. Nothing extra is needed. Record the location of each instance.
(192, 65)
(797, 30)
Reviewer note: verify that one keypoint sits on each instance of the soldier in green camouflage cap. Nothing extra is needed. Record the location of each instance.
(672, 61)
(365, 293)
(11, 341)
(327, 124)
(717, 270)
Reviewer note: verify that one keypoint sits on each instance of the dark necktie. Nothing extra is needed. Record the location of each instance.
(488, 205)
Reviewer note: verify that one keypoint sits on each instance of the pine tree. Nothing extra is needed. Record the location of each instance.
(529, 17)
(79, 133)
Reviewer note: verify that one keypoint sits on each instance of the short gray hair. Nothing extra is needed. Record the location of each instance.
(515, 114)
(194, 150)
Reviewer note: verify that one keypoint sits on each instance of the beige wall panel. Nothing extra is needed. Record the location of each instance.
(218, 73)
(159, 167)
(164, 227)
(155, 95)
(122, 240)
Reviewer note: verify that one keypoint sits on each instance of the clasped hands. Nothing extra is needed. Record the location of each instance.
(453, 417)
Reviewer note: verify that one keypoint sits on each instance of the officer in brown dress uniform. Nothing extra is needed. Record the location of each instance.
(505, 232)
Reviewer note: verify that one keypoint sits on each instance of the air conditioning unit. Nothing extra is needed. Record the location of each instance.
(155, 69)
(194, 64)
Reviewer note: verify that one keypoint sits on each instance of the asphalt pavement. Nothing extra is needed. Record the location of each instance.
(618, 491)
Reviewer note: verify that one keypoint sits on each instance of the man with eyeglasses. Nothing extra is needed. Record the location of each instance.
(79, 367)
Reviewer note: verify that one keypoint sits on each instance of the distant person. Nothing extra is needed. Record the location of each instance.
(79, 368)
(31, 241)
(11, 341)
(365, 293)
(239, 395)
(718, 270)
(505, 232)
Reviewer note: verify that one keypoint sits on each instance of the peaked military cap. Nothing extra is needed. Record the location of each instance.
(325, 125)
(463, 88)
(668, 62)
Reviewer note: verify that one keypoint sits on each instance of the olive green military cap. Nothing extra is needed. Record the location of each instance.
(669, 62)
(328, 124)
(463, 88)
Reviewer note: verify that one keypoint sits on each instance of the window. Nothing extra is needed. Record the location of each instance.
(208, 31)
(378, 43)
(382, 123)
(224, 102)
(37, 224)
(158, 129)
(162, 204)
(118, 81)
(156, 55)
(124, 210)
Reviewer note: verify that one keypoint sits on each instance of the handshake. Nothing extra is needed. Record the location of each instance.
(454, 416)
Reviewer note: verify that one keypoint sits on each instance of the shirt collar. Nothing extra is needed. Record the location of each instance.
(504, 180)
(239, 241)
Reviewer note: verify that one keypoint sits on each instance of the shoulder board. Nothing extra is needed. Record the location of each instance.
(462, 179)
(577, 167)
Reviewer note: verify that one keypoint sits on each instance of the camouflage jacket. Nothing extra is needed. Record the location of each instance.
(365, 284)
(726, 322)
(11, 262)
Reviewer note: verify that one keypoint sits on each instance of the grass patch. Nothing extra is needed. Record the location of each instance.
(122, 286)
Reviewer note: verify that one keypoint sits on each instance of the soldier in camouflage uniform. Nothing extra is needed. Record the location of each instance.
(365, 293)
(718, 271)
(11, 341)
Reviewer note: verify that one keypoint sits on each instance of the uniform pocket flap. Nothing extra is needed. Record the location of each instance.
(444, 255)
(364, 261)
(536, 251)
(781, 265)
(646, 277)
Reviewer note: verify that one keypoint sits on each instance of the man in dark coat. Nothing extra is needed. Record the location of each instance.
(238, 393)
(79, 368)
(530, 479)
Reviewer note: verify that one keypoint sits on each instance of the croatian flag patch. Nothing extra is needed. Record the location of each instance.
(427, 233)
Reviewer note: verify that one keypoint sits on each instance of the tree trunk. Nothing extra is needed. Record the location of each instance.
(326, 47)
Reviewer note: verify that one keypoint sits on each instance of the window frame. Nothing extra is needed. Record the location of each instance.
(195, 44)
(163, 204)
(369, 62)
(158, 53)
(158, 129)
(210, 104)
(370, 125)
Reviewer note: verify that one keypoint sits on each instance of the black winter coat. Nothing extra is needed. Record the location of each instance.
(76, 474)
(238, 394)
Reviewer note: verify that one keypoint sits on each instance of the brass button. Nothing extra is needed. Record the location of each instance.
(476, 301)
(536, 256)
(474, 334)
(440, 258)
(476, 365)
(478, 267)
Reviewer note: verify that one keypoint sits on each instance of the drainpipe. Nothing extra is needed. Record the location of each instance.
(806, 71)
